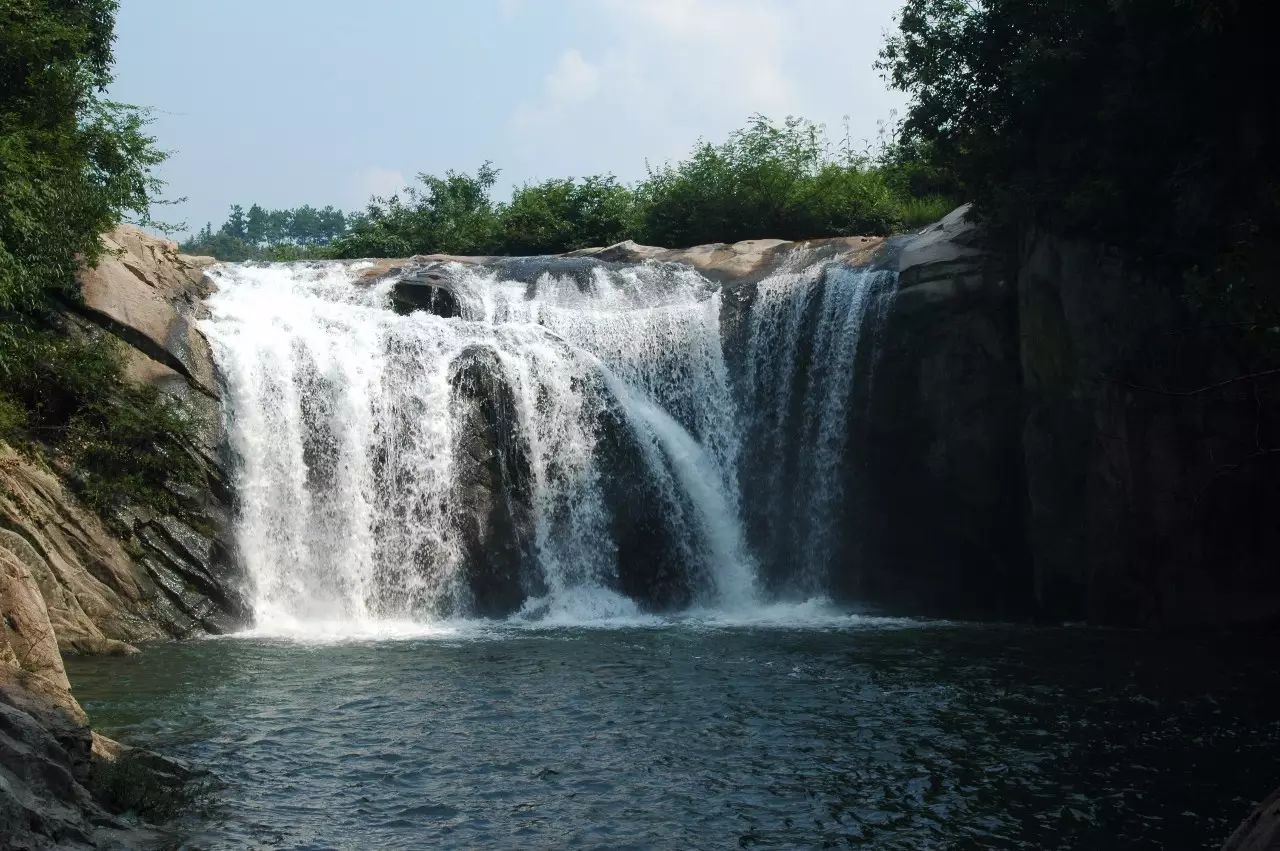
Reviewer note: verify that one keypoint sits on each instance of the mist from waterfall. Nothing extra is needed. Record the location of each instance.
(344, 423)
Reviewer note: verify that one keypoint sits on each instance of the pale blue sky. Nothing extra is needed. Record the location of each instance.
(286, 102)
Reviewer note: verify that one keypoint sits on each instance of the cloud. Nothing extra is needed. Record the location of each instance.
(657, 75)
(721, 49)
(573, 78)
(374, 181)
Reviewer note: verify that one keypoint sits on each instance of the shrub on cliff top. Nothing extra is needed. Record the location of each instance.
(767, 180)
(565, 215)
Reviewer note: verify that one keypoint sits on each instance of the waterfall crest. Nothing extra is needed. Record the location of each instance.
(564, 443)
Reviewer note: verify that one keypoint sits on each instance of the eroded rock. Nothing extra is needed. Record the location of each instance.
(495, 514)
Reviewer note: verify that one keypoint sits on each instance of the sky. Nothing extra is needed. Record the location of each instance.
(290, 102)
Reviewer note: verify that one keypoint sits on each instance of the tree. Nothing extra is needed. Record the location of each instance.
(453, 214)
(564, 215)
(256, 225)
(72, 165)
(767, 180)
(71, 162)
(1145, 123)
(236, 226)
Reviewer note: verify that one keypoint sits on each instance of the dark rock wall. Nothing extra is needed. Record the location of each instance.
(1153, 489)
(1049, 435)
(942, 504)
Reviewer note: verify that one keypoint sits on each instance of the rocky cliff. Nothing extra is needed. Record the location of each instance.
(1040, 432)
(72, 582)
(1052, 434)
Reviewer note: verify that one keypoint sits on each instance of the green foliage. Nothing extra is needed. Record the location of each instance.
(916, 213)
(453, 214)
(1144, 123)
(565, 215)
(70, 162)
(13, 420)
(767, 180)
(71, 165)
(302, 233)
(131, 446)
(127, 443)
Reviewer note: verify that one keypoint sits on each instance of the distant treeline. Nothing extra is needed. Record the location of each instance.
(767, 180)
(262, 234)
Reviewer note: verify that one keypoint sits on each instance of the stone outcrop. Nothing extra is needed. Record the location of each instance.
(1261, 830)
(940, 528)
(494, 484)
(72, 583)
(140, 575)
(49, 758)
(150, 297)
(1050, 434)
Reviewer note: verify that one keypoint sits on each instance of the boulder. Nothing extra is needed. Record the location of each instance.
(493, 499)
(426, 289)
(143, 290)
(653, 560)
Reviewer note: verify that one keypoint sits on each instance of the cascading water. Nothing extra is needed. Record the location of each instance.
(614, 422)
(805, 328)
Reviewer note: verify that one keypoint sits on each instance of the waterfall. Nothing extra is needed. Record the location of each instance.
(804, 333)
(568, 442)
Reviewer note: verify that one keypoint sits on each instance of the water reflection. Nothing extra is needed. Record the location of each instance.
(951, 736)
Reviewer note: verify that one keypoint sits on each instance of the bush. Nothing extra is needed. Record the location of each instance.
(767, 180)
(447, 215)
(916, 213)
(131, 447)
(125, 443)
(565, 215)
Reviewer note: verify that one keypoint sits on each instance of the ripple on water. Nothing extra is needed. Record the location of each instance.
(703, 734)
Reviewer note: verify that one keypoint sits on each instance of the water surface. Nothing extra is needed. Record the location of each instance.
(858, 733)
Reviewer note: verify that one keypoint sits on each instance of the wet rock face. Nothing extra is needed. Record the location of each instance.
(942, 529)
(426, 289)
(185, 578)
(651, 567)
(43, 803)
(495, 519)
(1152, 493)
(45, 743)
(1038, 445)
